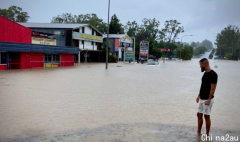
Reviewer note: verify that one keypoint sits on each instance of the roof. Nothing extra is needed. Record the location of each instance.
(57, 25)
(116, 36)
(11, 31)
(52, 25)
(38, 48)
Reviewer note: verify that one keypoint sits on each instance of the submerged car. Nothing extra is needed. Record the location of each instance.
(153, 64)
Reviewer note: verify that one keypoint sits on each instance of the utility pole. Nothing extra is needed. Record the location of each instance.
(107, 35)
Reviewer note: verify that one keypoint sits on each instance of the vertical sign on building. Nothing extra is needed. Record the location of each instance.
(129, 52)
(144, 49)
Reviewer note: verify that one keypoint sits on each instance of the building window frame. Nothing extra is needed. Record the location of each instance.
(3, 58)
(52, 58)
(83, 29)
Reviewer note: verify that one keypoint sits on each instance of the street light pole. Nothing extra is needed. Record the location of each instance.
(107, 35)
(182, 43)
(134, 50)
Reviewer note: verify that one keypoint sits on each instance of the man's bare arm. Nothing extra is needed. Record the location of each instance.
(198, 97)
(213, 88)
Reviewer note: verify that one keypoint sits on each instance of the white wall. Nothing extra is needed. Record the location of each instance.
(120, 53)
(95, 46)
(87, 44)
(88, 30)
(80, 45)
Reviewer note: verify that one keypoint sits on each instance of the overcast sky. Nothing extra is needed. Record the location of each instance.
(201, 18)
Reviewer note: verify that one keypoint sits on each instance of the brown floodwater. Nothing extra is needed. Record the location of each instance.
(127, 102)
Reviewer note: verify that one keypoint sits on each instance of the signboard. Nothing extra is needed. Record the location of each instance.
(87, 37)
(127, 44)
(164, 49)
(122, 45)
(43, 38)
(129, 53)
(144, 49)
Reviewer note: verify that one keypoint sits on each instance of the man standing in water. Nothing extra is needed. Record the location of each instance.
(206, 95)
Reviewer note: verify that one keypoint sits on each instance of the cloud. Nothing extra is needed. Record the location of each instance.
(202, 18)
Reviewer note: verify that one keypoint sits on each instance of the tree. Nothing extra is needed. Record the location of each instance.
(228, 41)
(200, 50)
(15, 14)
(207, 43)
(147, 31)
(91, 19)
(194, 44)
(115, 26)
(172, 48)
(131, 28)
(171, 31)
(157, 52)
(185, 53)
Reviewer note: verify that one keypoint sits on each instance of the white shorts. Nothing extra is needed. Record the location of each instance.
(205, 109)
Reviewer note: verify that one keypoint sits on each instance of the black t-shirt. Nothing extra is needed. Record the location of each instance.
(207, 79)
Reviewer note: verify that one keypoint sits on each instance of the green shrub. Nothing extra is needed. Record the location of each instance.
(112, 58)
(228, 56)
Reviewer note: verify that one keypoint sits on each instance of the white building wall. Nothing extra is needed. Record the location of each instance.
(80, 45)
(88, 45)
(120, 53)
(88, 30)
(95, 46)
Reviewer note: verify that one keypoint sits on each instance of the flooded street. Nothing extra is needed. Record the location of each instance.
(127, 102)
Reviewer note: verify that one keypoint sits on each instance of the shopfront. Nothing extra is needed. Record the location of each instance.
(89, 41)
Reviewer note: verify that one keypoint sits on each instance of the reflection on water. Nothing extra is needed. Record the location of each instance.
(61, 100)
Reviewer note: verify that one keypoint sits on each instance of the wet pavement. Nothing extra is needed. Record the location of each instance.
(127, 102)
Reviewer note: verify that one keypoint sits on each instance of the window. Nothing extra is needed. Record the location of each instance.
(3, 58)
(83, 43)
(48, 58)
(82, 29)
(92, 32)
(56, 58)
(52, 58)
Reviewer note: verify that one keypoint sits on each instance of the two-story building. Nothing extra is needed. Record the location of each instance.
(18, 52)
(86, 37)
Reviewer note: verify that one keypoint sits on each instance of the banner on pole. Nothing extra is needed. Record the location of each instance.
(144, 49)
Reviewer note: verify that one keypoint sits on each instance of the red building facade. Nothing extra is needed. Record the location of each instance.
(13, 34)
